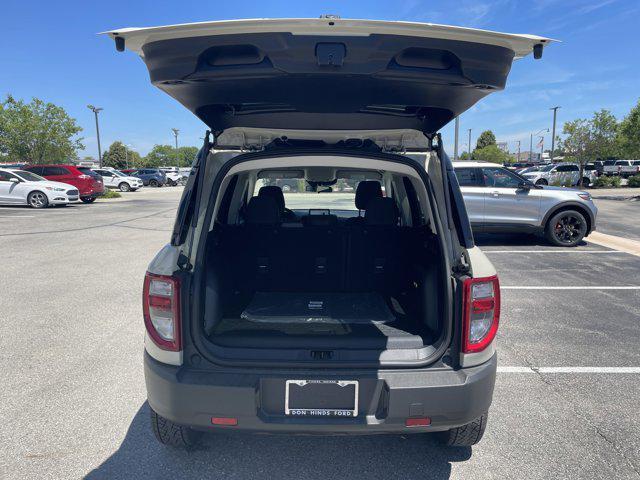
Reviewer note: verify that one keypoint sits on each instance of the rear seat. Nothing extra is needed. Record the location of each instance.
(322, 256)
(377, 249)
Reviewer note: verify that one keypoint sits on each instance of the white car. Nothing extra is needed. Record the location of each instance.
(561, 173)
(174, 177)
(113, 178)
(19, 187)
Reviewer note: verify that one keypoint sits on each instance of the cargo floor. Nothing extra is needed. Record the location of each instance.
(363, 320)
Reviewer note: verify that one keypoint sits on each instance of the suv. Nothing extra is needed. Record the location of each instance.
(152, 177)
(347, 312)
(564, 174)
(499, 200)
(610, 167)
(628, 168)
(88, 183)
(174, 177)
(112, 178)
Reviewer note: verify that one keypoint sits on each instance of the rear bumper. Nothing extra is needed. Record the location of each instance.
(386, 398)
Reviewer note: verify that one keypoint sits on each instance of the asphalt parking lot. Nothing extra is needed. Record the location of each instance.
(73, 398)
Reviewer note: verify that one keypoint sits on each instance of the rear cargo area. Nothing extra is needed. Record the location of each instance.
(323, 287)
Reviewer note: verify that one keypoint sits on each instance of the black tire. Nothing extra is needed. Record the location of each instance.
(566, 228)
(466, 435)
(153, 183)
(37, 199)
(172, 183)
(124, 187)
(585, 182)
(542, 181)
(88, 199)
(172, 435)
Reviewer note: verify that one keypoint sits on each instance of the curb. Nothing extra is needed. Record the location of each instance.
(632, 198)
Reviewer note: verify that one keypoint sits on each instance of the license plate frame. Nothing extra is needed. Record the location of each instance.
(293, 411)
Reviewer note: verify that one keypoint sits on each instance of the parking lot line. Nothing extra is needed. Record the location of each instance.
(552, 251)
(573, 287)
(508, 369)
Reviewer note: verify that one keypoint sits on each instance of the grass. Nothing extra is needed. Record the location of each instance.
(110, 194)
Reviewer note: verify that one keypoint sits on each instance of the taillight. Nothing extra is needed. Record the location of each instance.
(161, 307)
(481, 313)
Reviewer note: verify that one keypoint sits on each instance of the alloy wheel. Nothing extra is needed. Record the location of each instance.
(568, 229)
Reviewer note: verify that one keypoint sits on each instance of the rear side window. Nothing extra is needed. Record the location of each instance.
(567, 168)
(500, 178)
(468, 177)
(52, 171)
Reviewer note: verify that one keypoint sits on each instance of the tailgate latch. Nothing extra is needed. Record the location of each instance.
(330, 54)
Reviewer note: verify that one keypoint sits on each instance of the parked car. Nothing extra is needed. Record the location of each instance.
(21, 187)
(519, 165)
(173, 175)
(628, 168)
(241, 330)
(113, 178)
(498, 200)
(88, 183)
(152, 177)
(560, 173)
(609, 167)
(521, 171)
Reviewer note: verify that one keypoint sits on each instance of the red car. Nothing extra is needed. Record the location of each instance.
(88, 183)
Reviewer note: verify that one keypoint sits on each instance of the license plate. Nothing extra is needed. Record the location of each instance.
(321, 398)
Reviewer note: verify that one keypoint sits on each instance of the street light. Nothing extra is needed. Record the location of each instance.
(531, 142)
(553, 135)
(95, 111)
(175, 134)
(469, 144)
(126, 154)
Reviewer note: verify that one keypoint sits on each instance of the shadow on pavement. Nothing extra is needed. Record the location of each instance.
(514, 240)
(282, 456)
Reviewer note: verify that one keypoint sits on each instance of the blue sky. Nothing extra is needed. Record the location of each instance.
(50, 50)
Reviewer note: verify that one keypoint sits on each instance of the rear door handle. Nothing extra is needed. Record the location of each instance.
(495, 193)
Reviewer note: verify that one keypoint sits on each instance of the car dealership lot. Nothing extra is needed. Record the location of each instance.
(73, 396)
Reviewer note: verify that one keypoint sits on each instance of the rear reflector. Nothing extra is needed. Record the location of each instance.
(417, 422)
(231, 422)
(481, 313)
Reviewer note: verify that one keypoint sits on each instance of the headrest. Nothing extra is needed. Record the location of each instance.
(381, 211)
(367, 190)
(262, 211)
(274, 192)
(319, 220)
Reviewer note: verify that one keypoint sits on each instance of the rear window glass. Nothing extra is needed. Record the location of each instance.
(88, 171)
(300, 195)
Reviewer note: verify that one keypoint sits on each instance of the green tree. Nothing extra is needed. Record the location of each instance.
(37, 132)
(604, 129)
(119, 156)
(577, 142)
(491, 153)
(485, 139)
(628, 139)
(165, 155)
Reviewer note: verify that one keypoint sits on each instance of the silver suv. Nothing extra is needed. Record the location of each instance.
(500, 200)
(563, 174)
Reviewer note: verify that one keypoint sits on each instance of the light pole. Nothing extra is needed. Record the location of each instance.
(553, 135)
(457, 131)
(469, 144)
(518, 150)
(175, 134)
(531, 143)
(126, 154)
(95, 111)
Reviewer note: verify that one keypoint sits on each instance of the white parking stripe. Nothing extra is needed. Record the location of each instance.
(577, 287)
(507, 369)
(552, 251)
(16, 216)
